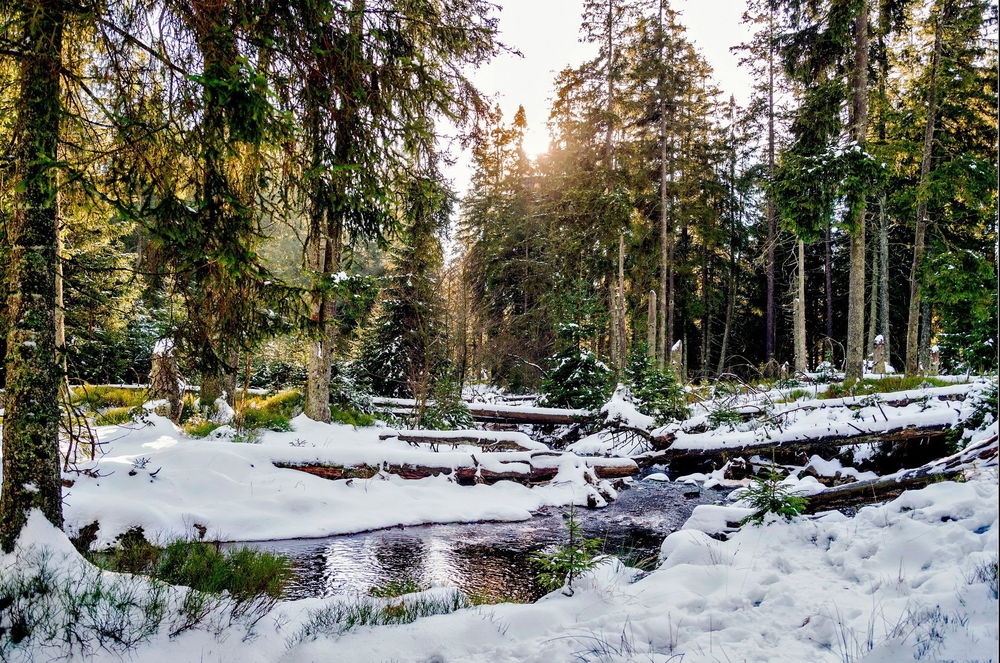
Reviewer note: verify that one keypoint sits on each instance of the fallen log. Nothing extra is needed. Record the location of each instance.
(853, 403)
(502, 414)
(672, 454)
(883, 489)
(487, 440)
(539, 468)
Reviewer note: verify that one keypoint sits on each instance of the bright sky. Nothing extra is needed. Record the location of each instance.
(546, 33)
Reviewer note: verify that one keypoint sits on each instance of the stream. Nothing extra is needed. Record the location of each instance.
(489, 560)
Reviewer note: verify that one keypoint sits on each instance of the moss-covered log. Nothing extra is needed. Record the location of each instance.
(31, 420)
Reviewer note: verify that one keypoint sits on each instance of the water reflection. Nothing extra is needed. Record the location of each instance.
(489, 560)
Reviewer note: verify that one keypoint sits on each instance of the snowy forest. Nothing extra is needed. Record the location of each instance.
(308, 356)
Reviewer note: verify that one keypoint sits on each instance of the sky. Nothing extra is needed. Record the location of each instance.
(546, 32)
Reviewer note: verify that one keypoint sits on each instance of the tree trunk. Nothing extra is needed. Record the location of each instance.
(31, 477)
(859, 126)
(772, 225)
(913, 313)
(924, 351)
(651, 326)
(828, 288)
(873, 299)
(799, 313)
(883, 274)
(661, 347)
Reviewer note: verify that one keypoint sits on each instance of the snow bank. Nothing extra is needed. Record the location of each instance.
(174, 486)
(894, 583)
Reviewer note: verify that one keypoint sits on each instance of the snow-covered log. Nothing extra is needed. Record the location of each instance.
(487, 440)
(807, 443)
(980, 454)
(541, 467)
(499, 413)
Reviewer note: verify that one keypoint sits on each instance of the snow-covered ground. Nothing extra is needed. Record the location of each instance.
(907, 580)
(899, 582)
(171, 485)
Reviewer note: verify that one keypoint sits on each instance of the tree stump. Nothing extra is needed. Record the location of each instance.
(164, 381)
(878, 355)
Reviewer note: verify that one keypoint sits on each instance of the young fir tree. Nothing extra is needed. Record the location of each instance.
(576, 378)
(404, 349)
(655, 391)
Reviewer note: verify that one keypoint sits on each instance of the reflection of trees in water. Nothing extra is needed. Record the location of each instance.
(489, 560)
(399, 556)
(494, 573)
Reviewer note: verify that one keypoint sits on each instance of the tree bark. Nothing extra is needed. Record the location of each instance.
(920, 231)
(651, 326)
(859, 126)
(883, 275)
(665, 265)
(772, 225)
(31, 478)
(799, 313)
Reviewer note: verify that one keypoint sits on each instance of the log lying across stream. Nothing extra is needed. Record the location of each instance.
(670, 454)
(538, 468)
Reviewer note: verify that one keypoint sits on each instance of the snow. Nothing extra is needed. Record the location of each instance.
(896, 582)
(235, 491)
(164, 347)
(811, 418)
(619, 411)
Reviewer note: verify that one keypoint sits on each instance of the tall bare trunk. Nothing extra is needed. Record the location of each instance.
(622, 335)
(859, 126)
(828, 286)
(772, 225)
(799, 310)
(651, 326)
(913, 313)
(883, 290)
(925, 335)
(661, 346)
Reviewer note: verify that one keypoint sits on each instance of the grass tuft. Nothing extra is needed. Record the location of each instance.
(101, 398)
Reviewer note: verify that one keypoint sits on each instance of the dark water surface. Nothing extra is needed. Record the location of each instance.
(489, 560)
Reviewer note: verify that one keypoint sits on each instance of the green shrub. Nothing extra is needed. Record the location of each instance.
(766, 494)
(116, 416)
(395, 588)
(796, 394)
(562, 566)
(251, 418)
(244, 573)
(101, 398)
(882, 386)
(725, 416)
(198, 427)
(351, 417)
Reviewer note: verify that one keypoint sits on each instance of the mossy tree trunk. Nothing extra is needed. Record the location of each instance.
(31, 420)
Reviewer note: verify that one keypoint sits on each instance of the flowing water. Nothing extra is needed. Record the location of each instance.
(489, 560)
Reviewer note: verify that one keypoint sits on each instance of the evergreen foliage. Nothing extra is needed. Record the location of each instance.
(559, 568)
(767, 494)
(655, 391)
(576, 377)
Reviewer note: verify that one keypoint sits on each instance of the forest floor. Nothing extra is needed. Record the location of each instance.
(913, 579)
